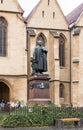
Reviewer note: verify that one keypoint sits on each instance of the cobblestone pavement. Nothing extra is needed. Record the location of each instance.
(41, 128)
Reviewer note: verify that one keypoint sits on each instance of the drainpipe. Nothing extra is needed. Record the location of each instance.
(70, 29)
(70, 67)
(27, 56)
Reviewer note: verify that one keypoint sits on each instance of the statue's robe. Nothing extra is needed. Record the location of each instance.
(40, 57)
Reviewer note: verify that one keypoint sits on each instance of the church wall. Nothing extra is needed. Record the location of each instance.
(16, 44)
(65, 70)
(75, 94)
(42, 20)
(46, 20)
(10, 5)
(31, 46)
(56, 73)
(13, 67)
(52, 91)
(65, 100)
(79, 22)
(51, 58)
(17, 87)
(51, 51)
(54, 68)
(77, 68)
(81, 68)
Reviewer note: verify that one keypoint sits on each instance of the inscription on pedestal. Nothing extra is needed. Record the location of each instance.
(39, 85)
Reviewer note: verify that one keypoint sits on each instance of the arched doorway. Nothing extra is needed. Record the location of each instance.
(4, 92)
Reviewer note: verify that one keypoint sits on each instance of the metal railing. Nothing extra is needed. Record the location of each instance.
(55, 112)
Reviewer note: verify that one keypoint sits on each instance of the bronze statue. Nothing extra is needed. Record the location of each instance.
(39, 60)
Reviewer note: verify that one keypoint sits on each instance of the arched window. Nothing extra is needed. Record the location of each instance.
(42, 37)
(62, 50)
(61, 91)
(3, 31)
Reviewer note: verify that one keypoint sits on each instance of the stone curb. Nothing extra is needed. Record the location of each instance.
(40, 128)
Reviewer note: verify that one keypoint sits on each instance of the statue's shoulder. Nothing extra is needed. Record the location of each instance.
(36, 48)
(44, 49)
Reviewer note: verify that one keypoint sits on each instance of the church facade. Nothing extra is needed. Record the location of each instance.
(62, 36)
(13, 57)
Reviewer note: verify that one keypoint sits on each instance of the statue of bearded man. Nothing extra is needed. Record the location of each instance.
(39, 60)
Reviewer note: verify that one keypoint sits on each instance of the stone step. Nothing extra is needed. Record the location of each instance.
(38, 101)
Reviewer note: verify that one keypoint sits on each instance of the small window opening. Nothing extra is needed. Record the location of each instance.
(48, 2)
(1, 1)
(42, 13)
(61, 91)
(53, 14)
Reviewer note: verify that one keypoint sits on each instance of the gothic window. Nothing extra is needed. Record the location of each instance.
(61, 91)
(3, 29)
(42, 38)
(62, 50)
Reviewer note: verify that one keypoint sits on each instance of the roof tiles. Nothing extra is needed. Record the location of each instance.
(74, 15)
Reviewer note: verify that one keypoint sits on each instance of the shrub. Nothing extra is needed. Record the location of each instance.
(38, 115)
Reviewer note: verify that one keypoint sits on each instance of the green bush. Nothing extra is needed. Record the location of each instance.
(39, 115)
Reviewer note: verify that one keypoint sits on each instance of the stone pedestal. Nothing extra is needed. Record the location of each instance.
(39, 89)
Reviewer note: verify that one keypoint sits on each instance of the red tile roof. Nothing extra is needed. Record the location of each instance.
(74, 15)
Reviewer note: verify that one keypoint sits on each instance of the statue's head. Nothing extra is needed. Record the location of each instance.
(39, 42)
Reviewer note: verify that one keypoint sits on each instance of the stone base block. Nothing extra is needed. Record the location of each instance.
(38, 101)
